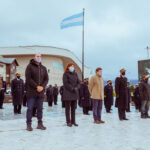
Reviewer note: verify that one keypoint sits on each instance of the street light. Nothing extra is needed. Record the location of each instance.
(147, 48)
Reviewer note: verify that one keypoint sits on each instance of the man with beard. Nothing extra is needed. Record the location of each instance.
(36, 81)
(144, 89)
(108, 96)
(121, 94)
(85, 96)
(17, 91)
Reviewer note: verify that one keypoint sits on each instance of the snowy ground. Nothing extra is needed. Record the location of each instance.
(113, 135)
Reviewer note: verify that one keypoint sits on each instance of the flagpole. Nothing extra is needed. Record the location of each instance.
(83, 47)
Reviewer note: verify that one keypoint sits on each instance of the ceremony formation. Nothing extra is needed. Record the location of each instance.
(74, 75)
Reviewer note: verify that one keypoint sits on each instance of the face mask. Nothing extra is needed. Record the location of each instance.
(71, 69)
(100, 73)
(18, 77)
(38, 59)
(123, 73)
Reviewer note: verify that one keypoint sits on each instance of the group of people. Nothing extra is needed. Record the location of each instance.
(89, 94)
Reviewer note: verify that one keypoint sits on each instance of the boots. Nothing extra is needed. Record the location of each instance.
(143, 116)
(147, 116)
(69, 124)
(29, 127)
(75, 124)
(41, 127)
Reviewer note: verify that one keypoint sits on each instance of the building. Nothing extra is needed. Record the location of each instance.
(143, 68)
(55, 59)
(8, 68)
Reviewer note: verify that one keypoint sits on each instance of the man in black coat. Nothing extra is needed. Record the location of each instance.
(2, 92)
(121, 94)
(85, 96)
(129, 96)
(55, 94)
(108, 96)
(36, 81)
(49, 94)
(62, 93)
(17, 91)
(144, 89)
(137, 100)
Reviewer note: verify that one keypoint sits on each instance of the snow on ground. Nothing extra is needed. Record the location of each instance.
(113, 135)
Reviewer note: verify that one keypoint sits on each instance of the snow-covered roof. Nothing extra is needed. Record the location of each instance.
(7, 60)
(44, 50)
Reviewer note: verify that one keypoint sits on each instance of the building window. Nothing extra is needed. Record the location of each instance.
(1, 65)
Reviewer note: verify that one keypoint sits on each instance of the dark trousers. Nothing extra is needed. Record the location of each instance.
(97, 109)
(63, 104)
(121, 113)
(55, 99)
(31, 103)
(70, 105)
(108, 109)
(50, 99)
(50, 103)
(17, 109)
(128, 109)
(34, 111)
(145, 107)
(137, 104)
(85, 110)
(1, 98)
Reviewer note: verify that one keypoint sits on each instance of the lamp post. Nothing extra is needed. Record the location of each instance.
(147, 48)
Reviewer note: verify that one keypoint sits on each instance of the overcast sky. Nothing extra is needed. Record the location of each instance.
(116, 31)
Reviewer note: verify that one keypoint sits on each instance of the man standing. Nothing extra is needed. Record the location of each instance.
(96, 89)
(36, 81)
(85, 96)
(121, 94)
(49, 94)
(144, 89)
(2, 92)
(17, 91)
(108, 98)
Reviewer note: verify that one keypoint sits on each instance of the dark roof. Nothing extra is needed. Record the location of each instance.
(8, 60)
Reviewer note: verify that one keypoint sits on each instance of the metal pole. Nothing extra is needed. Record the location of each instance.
(147, 48)
(83, 48)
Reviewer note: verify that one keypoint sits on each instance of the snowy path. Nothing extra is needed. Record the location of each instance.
(113, 135)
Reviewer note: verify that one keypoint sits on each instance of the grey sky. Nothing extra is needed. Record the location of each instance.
(116, 31)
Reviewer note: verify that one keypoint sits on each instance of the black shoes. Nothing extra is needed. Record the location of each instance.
(125, 119)
(71, 124)
(121, 119)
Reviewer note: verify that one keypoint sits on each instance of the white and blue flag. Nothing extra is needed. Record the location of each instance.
(75, 20)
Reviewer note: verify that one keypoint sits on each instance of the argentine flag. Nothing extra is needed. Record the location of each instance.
(75, 20)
